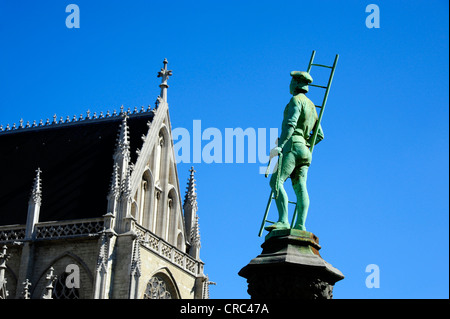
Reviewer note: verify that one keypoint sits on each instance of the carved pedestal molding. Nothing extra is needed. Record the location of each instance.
(290, 267)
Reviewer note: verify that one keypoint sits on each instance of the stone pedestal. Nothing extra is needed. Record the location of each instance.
(290, 267)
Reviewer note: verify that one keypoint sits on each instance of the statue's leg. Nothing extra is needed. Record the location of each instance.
(287, 166)
(299, 184)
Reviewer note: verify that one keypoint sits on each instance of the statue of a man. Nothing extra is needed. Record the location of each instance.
(299, 120)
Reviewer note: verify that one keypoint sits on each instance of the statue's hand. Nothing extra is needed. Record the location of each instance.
(275, 152)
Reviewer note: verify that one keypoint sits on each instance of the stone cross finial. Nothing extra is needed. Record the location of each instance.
(164, 74)
(49, 288)
(26, 289)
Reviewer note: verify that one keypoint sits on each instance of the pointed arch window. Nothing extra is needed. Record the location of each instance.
(158, 156)
(61, 291)
(146, 193)
(156, 219)
(180, 240)
(143, 203)
(169, 218)
(159, 288)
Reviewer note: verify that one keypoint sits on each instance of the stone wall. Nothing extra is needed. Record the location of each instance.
(152, 265)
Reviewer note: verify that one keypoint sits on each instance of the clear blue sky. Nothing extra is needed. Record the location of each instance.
(378, 183)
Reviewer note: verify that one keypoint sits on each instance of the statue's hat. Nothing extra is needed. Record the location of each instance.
(302, 76)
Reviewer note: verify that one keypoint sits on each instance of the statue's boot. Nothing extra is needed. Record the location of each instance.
(300, 227)
(277, 225)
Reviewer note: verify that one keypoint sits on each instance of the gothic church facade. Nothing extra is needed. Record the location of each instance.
(90, 208)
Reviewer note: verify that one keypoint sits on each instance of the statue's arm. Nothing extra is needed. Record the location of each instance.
(289, 122)
(320, 136)
(286, 134)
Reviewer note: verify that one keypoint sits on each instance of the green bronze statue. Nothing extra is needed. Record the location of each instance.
(299, 121)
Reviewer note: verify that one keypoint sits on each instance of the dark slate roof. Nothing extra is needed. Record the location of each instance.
(76, 163)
